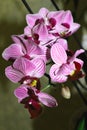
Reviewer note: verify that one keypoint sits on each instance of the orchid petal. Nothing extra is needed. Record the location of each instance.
(21, 93)
(74, 27)
(58, 54)
(42, 31)
(12, 52)
(79, 61)
(67, 17)
(57, 15)
(12, 74)
(31, 19)
(47, 99)
(33, 49)
(27, 31)
(63, 42)
(60, 29)
(60, 79)
(24, 65)
(40, 67)
(77, 53)
(19, 39)
(35, 109)
(43, 12)
(66, 69)
(15, 38)
(56, 76)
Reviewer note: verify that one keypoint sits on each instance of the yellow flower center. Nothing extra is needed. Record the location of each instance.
(72, 73)
(62, 34)
(33, 83)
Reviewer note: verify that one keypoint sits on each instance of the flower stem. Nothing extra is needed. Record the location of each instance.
(46, 87)
(55, 5)
(80, 93)
(49, 82)
(79, 82)
(27, 6)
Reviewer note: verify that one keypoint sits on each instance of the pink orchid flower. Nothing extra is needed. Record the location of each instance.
(32, 98)
(39, 33)
(38, 27)
(65, 65)
(65, 26)
(46, 26)
(24, 70)
(24, 48)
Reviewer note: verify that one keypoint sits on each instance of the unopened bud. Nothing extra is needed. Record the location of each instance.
(65, 91)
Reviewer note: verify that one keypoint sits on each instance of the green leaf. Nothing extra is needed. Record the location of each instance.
(81, 124)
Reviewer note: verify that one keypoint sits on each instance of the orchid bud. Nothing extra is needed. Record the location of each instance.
(65, 91)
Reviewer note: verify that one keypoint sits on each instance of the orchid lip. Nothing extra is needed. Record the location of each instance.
(26, 79)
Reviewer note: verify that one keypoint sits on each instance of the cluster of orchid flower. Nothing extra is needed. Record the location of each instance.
(43, 42)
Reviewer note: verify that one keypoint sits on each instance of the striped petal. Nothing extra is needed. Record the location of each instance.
(58, 54)
(21, 93)
(56, 75)
(13, 75)
(63, 43)
(47, 99)
(12, 52)
(24, 65)
(40, 67)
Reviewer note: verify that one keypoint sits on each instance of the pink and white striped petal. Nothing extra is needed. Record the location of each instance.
(21, 93)
(40, 67)
(24, 65)
(47, 99)
(56, 75)
(13, 75)
(58, 54)
(63, 43)
(12, 52)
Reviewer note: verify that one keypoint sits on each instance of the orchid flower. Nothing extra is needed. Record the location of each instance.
(65, 26)
(32, 99)
(38, 27)
(64, 65)
(24, 70)
(24, 48)
(46, 26)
